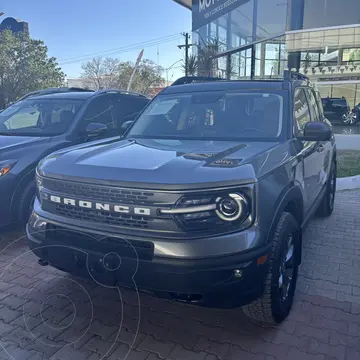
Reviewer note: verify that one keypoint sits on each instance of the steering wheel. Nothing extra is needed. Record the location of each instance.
(253, 129)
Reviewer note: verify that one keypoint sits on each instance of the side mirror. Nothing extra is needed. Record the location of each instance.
(95, 129)
(316, 131)
(125, 126)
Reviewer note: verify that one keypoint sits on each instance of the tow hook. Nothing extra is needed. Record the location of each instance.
(42, 262)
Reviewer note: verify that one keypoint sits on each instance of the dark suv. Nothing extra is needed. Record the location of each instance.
(337, 110)
(204, 200)
(53, 119)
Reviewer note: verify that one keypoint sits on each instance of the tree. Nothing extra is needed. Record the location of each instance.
(112, 73)
(100, 73)
(192, 66)
(25, 66)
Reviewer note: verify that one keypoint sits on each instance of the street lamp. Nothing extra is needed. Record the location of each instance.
(169, 68)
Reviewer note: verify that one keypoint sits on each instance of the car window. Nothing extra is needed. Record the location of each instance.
(213, 115)
(314, 110)
(127, 107)
(99, 110)
(301, 110)
(39, 117)
(338, 102)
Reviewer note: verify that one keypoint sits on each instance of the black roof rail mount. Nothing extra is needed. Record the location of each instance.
(191, 79)
(294, 75)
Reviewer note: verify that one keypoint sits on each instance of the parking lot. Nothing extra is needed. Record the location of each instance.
(45, 314)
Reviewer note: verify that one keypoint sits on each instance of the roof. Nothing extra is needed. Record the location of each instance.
(224, 85)
(65, 95)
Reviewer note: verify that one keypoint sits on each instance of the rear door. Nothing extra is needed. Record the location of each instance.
(308, 153)
(323, 148)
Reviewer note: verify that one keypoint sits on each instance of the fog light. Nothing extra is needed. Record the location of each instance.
(238, 274)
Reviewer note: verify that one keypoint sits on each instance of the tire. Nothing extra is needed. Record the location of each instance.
(276, 302)
(326, 206)
(348, 118)
(26, 201)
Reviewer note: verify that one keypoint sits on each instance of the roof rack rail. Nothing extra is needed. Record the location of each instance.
(119, 91)
(294, 75)
(191, 79)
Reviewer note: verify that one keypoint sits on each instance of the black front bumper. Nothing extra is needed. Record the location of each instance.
(208, 282)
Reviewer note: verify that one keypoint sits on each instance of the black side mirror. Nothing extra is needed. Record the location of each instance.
(125, 126)
(95, 129)
(316, 131)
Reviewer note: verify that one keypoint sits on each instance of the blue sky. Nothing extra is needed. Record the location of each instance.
(74, 28)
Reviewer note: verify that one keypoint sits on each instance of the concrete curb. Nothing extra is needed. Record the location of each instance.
(348, 183)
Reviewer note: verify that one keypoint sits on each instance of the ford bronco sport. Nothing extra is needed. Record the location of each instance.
(204, 199)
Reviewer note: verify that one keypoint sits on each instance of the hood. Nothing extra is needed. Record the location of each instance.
(19, 142)
(161, 163)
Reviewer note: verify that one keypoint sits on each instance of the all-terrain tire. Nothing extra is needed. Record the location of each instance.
(26, 201)
(270, 308)
(326, 206)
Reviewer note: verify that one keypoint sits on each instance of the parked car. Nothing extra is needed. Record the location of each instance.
(337, 110)
(204, 200)
(40, 124)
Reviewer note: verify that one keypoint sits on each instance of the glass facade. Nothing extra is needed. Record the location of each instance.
(248, 22)
(260, 38)
(325, 13)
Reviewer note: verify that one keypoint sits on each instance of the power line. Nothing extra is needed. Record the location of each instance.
(122, 49)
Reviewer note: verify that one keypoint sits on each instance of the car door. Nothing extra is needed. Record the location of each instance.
(323, 148)
(100, 110)
(330, 110)
(308, 153)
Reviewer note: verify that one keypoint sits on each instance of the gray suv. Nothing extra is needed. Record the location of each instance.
(204, 199)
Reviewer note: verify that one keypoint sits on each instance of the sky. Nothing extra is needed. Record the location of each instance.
(77, 30)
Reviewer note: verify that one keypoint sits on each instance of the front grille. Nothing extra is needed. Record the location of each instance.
(103, 217)
(103, 193)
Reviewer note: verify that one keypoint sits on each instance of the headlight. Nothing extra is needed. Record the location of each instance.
(214, 211)
(232, 207)
(6, 166)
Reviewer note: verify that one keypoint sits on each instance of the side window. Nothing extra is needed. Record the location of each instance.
(301, 110)
(100, 110)
(315, 115)
(127, 107)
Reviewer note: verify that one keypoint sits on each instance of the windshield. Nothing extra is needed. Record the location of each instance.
(212, 115)
(39, 117)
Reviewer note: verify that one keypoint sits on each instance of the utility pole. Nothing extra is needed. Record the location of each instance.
(186, 46)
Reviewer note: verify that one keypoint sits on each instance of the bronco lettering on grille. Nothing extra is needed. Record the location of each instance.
(101, 206)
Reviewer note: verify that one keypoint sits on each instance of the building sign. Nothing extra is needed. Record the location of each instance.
(14, 25)
(205, 11)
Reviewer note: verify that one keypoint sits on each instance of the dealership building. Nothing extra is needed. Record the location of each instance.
(250, 39)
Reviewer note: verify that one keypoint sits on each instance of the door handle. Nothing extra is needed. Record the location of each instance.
(320, 148)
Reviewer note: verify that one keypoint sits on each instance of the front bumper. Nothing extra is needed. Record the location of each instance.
(211, 281)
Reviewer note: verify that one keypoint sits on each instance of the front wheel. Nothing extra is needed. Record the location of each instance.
(280, 282)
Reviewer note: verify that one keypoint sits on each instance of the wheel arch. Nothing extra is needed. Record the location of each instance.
(291, 201)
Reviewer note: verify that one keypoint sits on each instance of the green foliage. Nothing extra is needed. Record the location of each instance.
(106, 73)
(25, 66)
(192, 65)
